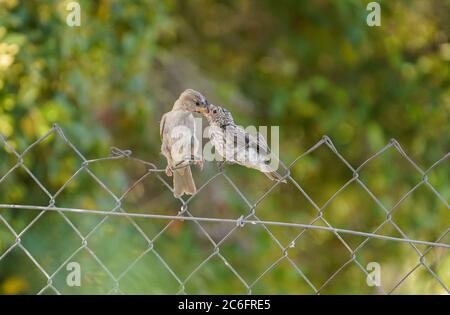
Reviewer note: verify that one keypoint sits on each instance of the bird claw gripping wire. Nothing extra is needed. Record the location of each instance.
(169, 171)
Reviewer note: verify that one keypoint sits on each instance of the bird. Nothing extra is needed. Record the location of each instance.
(179, 146)
(235, 145)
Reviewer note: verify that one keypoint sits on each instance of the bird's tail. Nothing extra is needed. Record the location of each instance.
(183, 182)
(275, 176)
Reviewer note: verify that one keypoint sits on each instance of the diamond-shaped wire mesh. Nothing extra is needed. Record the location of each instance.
(140, 246)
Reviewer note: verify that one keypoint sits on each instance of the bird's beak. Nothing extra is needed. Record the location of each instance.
(204, 109)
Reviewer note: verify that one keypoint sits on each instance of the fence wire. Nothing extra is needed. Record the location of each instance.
(251, 218)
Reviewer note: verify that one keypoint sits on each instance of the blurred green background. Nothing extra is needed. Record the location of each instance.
(310, 67)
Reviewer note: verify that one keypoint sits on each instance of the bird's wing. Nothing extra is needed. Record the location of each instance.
(177, 124)
(262, 143)
(246, 141)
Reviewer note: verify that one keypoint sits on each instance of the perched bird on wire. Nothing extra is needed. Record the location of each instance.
(235, 145)
(178, 130)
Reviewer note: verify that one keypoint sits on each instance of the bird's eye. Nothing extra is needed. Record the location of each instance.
(197, 103)
(215, 111)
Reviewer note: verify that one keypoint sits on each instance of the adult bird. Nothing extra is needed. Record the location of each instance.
(178, 130)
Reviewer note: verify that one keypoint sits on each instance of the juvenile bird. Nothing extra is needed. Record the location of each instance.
(235, 145)
(179, 143)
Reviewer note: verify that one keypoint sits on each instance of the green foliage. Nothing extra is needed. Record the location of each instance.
(311, 67)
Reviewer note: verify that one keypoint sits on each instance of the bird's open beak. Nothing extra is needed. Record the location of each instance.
(204, 109)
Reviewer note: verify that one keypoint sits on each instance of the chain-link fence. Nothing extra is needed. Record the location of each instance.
(114, 278)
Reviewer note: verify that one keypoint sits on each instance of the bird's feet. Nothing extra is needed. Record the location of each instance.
(182, 164)
(169, 171)
(191, 159)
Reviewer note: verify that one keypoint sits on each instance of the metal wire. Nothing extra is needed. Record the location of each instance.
(251, 218)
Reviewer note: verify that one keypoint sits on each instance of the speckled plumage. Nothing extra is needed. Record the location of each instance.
(235, 145)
